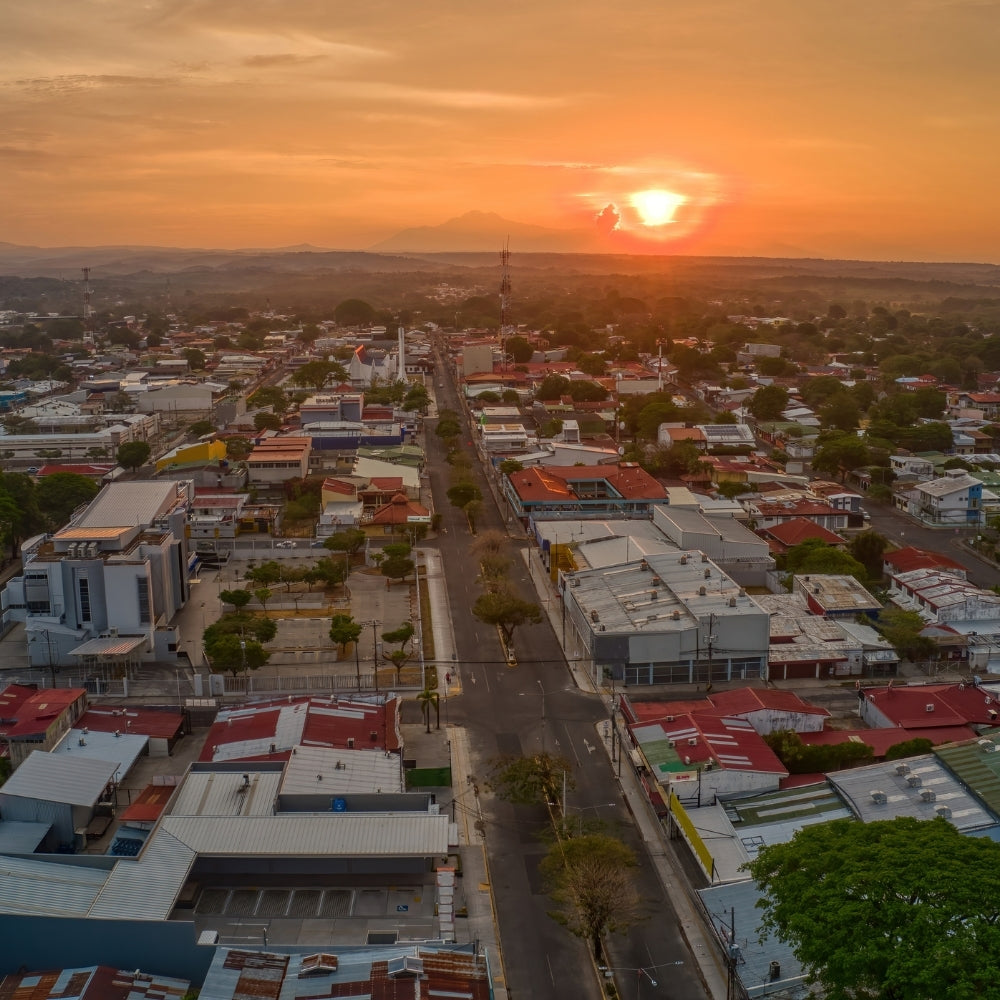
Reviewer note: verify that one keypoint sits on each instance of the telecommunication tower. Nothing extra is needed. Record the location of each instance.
(88, 312)
(504, 302)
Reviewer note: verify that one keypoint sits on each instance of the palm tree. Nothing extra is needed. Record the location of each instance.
(429, 697)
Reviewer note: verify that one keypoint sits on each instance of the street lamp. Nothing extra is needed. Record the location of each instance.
(581, 809)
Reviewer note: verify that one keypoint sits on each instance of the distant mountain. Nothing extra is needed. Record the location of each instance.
(478, 232)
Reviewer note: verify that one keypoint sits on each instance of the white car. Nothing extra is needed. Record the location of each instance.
(285, 545)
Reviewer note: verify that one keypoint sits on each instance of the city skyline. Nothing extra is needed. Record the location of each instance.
(830, 130)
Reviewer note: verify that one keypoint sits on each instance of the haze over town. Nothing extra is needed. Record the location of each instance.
(832, 130)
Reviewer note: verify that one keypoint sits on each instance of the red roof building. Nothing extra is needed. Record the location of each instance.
(270, 730)
(910, 558)
(796, 531)
(97, 982)
(32, 719)
(398, 513)
(929, 707)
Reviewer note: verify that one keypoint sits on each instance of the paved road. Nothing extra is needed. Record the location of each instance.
(903, 530)
(522, 710)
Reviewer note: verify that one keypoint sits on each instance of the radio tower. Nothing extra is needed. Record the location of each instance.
(88, 312)
(504, 302)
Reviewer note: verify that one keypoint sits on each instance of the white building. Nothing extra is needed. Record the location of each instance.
(105, 588)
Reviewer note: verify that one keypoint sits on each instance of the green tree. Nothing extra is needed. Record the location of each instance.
(263, 594)
(840, 412)
(343, 631)
(916, 747)
(890, 910)
(61, 493)
(427, 698)
(194, 358)
(838, 455)
(552, 387)
(902, 630)
(768, 402)
(269, 397)
(396, 567)
(354, 312)
(529, 781)
(509, 466)
(349, 540)
(264, 421)
(239, 599)
(520, 349)
(200, 428)
(868, 548)
(399, 637)
(315, 374)
(133, 454)
(591, 879)
(503, 608)
(463, 493)
(815, 556)
(235, 654)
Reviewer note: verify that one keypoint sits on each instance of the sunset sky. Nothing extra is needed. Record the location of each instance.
(833, 128)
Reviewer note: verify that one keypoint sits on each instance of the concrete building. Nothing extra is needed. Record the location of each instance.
(668, 619)
(835, 595)
(102, 591)
(275, 459)
(956, 498)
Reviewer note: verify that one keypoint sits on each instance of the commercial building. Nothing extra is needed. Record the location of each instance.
(675, 618)
(102, 591)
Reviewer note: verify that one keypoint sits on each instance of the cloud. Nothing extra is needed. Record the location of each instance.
(279, 59)
(608, 219)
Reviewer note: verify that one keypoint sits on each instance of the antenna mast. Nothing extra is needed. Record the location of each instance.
(88, 312)
(504, 302)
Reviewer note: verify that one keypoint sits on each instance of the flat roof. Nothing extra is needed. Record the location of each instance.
(62, 778)
(311, 770)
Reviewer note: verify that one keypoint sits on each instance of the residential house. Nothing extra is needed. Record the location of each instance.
(956, 499)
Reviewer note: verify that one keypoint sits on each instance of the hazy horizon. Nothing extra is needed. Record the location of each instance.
(822, 130)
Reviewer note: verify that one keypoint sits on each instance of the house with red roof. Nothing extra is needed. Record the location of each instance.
(934, 707)
(33, 719)
(270, 730)
(395, 517)
(623, 489)
(768, 514)
(163, 727)
(781, 537)
(910, 558)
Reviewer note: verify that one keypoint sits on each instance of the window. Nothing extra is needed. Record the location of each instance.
(83, 589)
(142, 584)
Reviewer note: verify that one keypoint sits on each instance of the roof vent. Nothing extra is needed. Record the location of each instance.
(902, 769)
(878, 797)
(929, 707)
(643, 565)
(350, 742)
(684, 560)
(81, 742)
(944, 812)
(653, 595)
(815, 590)
(657, 581)
(704, 557)
(687, 760)
(928, 794)
(373, 735)
(692, 741)
(676, 615)
(594, 616)
(732, 602)
(701, 591)
(914, 781)
(708, 574)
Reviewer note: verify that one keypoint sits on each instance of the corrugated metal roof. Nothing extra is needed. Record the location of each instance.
(222, 793)
(147, 887)
(124, 749)
(341, 770)
(61, 888)
(314, 834)
(120, 504)
(76, 781)
(21, 838)
(116, 646)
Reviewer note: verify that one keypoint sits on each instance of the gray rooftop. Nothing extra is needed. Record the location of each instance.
(75, 781)
(341, 771)
(132, 504)
(225, 793)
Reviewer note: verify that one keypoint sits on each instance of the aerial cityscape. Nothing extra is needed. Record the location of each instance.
(499, 505)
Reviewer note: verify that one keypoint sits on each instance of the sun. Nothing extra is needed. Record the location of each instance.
(655, 206)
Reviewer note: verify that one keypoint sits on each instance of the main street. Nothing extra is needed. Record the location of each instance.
(522, 710)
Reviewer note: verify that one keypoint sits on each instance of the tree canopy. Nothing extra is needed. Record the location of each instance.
(61, 493)
(815, 556)
(503, 608)
(133, 454)
(904, 909)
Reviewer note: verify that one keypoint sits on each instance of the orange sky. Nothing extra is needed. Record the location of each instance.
(789, 127)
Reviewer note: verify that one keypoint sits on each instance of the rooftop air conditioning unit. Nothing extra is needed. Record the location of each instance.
(594, 616)
(929, 707)
(574, 581)
(985, 745)
(684, 560)
(604, 628)
(671, 744)
(701, 591)
(113, 632)
(878, 797)
(902, 769)
(676, 615)
(928, 795)
(350, 742)
(815, 590)
(669, 718)
(653, 596)
(708, 574)
(944, 812)
(732, 602)
(704, 557)
(692, 741)
(657, 581)
(914, 781)
(643, 565)
(709, 764)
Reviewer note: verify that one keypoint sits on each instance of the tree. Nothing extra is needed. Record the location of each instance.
(349, 540)
(399, 636)
(429, 697)
(886, 910)
(529, 781)
(520, 349)
(509, 466)
(315, 374)
(461, 494)
(354, 312)
(263, 594)
(22, 516)
(269, 397)
(133, 454)
(552, 387)
(838, 455)
(396, 567)
(239, 599)
(200, 428)
(591, 880)
(916, 747)
(235, 654)
(868, 548)
(195, 358)
(61, 493)
(840, 412)
(344, 630)
(503, 608)
(264, 421)
(815, 556)
(902, 629)
(768, 402)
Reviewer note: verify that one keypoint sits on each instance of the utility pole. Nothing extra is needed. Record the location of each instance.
(542, 689)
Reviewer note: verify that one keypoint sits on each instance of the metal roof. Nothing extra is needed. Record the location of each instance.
(225, 793)
(48, 887)
(146, 888)
(123, 750)
(314, 834)
(76, 781)
(112, 646)
(21, 838)
(133, 504)
(322, 769)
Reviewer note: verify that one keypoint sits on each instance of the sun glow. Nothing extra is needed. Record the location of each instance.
(656, 207)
